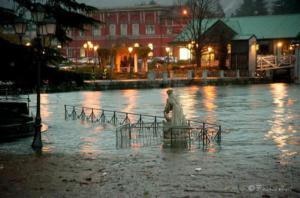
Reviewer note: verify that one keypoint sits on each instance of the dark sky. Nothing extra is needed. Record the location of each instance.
(229, 6)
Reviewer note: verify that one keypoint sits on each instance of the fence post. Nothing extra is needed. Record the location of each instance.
(74, 113)
(155, 125)
(129, 131)
(66, 112)
(219, 133)
(203, 131)
(114, 118)
(92, 115)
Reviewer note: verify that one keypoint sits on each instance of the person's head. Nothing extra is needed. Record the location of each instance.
(169, 91)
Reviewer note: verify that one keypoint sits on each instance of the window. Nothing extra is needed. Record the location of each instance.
(123, 29)
(96, 31)
(69, 33)
(135, 29)
(81, 33)
(112, 29)
(150, 29)
(169, 30)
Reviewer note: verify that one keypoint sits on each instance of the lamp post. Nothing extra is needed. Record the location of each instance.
(130, 49)
(44, 27)
(190, 51)
(278, 51)
(20, 27)
(88, 46)
(168, 60)
(96, 47)
(168, 54)
(95, 61)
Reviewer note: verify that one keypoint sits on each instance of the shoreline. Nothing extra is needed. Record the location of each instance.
(100, 85)
(138, 174)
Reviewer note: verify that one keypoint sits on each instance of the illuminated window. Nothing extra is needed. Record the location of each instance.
(184, 54)
(229, 48)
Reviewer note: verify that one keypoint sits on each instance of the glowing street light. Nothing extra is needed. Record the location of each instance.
(184, 12)
(278, 50)
(168, 49)
(45, 26)
(130, 49)
(20, 27)
(88, 46)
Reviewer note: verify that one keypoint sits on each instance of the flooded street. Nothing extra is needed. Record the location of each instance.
(258, 154)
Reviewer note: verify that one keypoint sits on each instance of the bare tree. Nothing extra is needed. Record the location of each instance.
(202, 14)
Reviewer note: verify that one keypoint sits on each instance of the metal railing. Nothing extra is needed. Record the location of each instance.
(136, 130)
(137, 135)
(269, 62)
(7, 94)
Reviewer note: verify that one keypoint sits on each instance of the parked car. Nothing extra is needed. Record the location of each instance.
(170, 59)
(83, 60)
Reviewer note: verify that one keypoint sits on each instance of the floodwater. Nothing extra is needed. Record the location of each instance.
(256, 119)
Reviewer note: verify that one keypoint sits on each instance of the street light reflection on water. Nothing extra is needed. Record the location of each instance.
(259, 118)
(283, 131)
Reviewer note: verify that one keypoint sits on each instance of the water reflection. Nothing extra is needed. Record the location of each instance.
(45, 113)
(130, 101)
(209, 102)
(189, 102)
(89, 143)
(281, 128)
(91, 99)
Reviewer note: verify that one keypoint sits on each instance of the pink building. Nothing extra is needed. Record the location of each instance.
(148, 25)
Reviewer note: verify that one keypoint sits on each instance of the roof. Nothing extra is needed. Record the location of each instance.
(147, 7)
(263, 27)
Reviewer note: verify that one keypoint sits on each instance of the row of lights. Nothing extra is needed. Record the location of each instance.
(89, 45)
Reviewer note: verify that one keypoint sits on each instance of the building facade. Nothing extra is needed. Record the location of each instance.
(245, 42)
(146, 25)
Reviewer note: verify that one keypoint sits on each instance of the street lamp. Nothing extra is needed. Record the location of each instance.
(20, 27)
(130, 49)
(88, 46)
(95, 60)
(190, 45)
(44, 27)
(96, 47)
(168, 54)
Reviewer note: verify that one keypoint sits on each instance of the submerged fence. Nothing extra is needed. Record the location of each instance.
(138, 130)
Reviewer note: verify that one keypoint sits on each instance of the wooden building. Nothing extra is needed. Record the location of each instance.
(245, 38)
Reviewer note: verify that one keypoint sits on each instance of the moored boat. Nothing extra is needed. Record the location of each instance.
(15, 119)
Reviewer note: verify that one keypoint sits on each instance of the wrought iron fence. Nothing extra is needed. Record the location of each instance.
(137, 130)
(137, 135)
